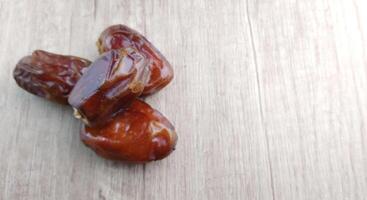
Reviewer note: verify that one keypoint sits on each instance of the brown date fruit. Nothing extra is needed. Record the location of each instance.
(49, 75)
(120, 36)
(109, 85)
(139, 134)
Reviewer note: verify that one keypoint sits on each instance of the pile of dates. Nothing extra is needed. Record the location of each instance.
(105, 94)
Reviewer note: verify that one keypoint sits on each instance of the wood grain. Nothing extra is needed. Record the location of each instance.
(269, 100)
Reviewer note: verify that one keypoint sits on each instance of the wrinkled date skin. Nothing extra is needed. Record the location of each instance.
(49, 75)
(139, 134)
(120, 36)
(109, 85)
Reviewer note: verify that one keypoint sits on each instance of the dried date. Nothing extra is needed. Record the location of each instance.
(120, 36)
(139, 134)
(109, 85)
(49, 75)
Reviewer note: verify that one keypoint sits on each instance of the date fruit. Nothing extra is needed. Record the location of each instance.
(120, 36)
(49, 75)
(104, 94)
(109, 85)
(139, 134)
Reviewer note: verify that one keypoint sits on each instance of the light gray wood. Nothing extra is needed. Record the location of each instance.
(269, 100)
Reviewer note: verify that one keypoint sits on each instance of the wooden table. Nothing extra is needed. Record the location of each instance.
(269, 100)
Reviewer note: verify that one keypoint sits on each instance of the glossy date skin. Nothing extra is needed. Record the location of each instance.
(120, 36)
(109, 85)
(49, 75)
(139, 134)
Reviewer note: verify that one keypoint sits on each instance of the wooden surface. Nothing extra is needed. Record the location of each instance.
(269, 100)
